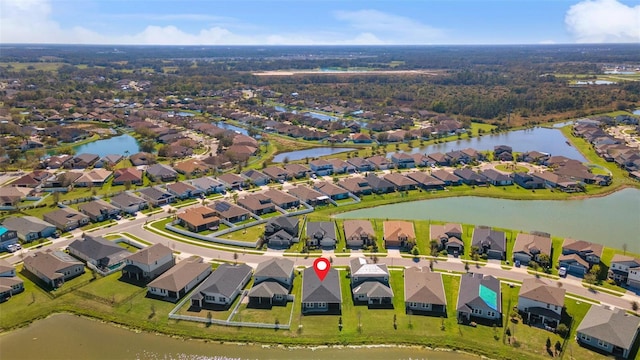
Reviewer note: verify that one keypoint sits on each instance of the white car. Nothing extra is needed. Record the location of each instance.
(562, 272)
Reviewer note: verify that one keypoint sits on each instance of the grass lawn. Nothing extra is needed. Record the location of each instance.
(511, 168)
(111, 290)
(215, 314)
(271, 215)
(250, 234)
(269, 316)
(128, 247)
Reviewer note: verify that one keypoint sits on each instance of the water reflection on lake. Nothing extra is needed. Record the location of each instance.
(226, 126)
(309, 153)
(122, 145)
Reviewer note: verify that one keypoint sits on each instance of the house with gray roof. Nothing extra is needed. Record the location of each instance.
(161, 172)
(99, 210)
(176, 282)
(157, 196)
(612, 331)
(230, 212)
(446, 177)
(496, 178)
(256, 177)
(103, 254)
(321, 296)
(257, 203)
(479, 297)
(379, 185)
(355, 185)
(10, 284)
(491, 242)
(426, 181)
(208, 185)
(370, 283)
(401, 182)
(273, 279)
(29, 228)
(148, 263)
(280, 232)
(541, 302)
(129, 203)
(321, 234)
(297, 171)
(183, 190)
(361, 164)
(424, 292)
(331, 190)
(470, 177)
(309, 195)
(222, 287)
(53, 267)
(66, 219)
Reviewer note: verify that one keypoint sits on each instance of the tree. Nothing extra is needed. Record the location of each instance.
(634, 306)
(544, 260)
(624, 248)
(148, 146)
(562, 330)
(558, 347)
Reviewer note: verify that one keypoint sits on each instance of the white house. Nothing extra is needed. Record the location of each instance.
(541, 302)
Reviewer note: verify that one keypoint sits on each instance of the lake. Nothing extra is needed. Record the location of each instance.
(310, 153)
(611, 220)
(114, 145)
(636, 112)
(319, 116)
(545, 140)
(226, 126)
(65, 336)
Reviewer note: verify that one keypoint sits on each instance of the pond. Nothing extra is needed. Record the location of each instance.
(65, 336)
(320, 116)
(121, 145)
(545, 140)
(310, 153)
(237, 129)
(636, 112)
(612, 220)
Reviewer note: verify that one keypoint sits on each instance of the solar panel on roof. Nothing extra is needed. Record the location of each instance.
(489, 296)
(221, 206)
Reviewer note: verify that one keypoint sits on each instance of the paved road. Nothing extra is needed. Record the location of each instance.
(135, 227)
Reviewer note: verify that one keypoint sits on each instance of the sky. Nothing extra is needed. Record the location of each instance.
(319, 22)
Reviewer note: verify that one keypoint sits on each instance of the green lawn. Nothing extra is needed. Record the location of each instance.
(511, 168)
(250, 234)
(111, 290)
(269, 316)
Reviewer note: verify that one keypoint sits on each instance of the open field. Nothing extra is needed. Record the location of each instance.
(349, 72)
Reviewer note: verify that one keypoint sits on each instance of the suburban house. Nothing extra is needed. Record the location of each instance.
(470, 177)
(10, 284)
(380, 162)
(401, 182)
(527, 181)
(321, 167)
(32, 179)
(554, 181)
(81, 161)
(308, 195)
(439, 159)
(496, 178)
(402, 160)
(99, 253)
(321, 296)
(358, 233)
(280, 232)
(620, 267)
(192, 167)
(229, 212)
(449, 237)
(129, 203)
(446, 177)
(331, 190)
(379, 185)
(108, 160)
(222, 287)
(541, 302)
(422, 160)
(66, 219)
(146, 264)
(609, 330)
(341, 166)
(530, 247)
(272, 282)
(356, 185)
(95, 177)
(257, 203)
(208, 185)
(161, 172)
(282, 199)
(574, 264)
(256, 177)
(424, 292)
(61, 181)
(29, 228)
(198, 219)
(398, 233)
(183, 190)
(426, 181)
(53, 267)
(127, 176)
(491, 242)
(176, 282)
(503, 153)
(232, 181)
(276, 173)
(588, 251)
(370, 282)
(7, 237)
(321, 234)
(142, 158)
(297, 171)
(360, 164)
(156, 196)
(479, 297)
(99, 210)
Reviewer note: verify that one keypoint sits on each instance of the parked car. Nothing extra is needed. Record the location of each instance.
(517, 263)
(14, 247)
(562, 272)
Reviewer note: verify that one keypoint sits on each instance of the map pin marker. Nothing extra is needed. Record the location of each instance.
(321, 266)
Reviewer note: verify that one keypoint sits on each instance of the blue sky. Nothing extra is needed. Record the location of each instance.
(310, 22)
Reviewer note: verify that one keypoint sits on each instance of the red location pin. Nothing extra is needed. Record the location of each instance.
(321, 266)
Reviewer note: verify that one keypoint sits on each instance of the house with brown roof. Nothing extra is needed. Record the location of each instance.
(256, 177)
(95, 177)
(380, 162)
(403, 160)
(192, 167)
(331, 190)
(401, 182)
(426, 181)
(161, 172)
(355, 185)
(321, 167)
(446, 177)
(282, 199)
(240, 152)
(530, 247)
(183, 190)
(32, 179)
(176, 282)
(276, 173)
(146, 264)
(257, 203)
(398, 233)
(541, 302)
(229, 212)
(142, 158)
(358, 233)
(198, 219)
(309, 195)
(574, 264)
(53, 267)
(61, 181)
(128, 175)
(129, 203)
(361, 164)
(81, 161)
(341, 167)
(99, 210)
(232, 181)
(66, 219)
(588, 251)
(448, 236)
(157, 196)
(620, 267)
(297, 171)
(424, 292)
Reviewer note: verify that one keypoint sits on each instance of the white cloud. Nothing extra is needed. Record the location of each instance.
(601, 21)
(392, 28)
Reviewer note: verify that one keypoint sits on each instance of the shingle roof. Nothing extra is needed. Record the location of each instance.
(612, 326)
(97, 247)
(394, 229)
(473, 293)
(275, 268)
(94, 208)
(25, 224)
(532, 244)
(327, 290)
(150, 254)
(176, 278)
(50, 262)
(538, 290)
(226, 279)
(357, 228)
(267, 289)
(583, 246)
(423, 286)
